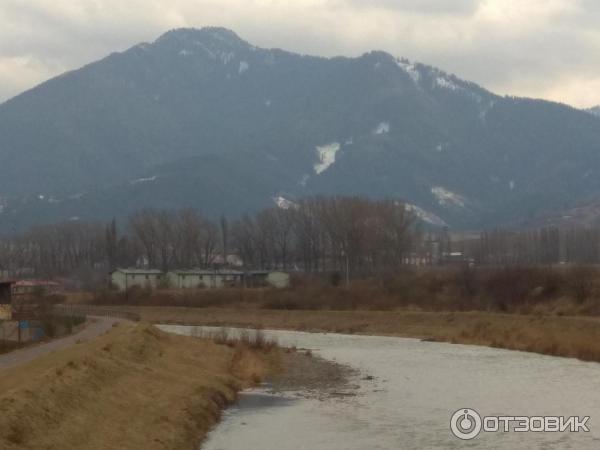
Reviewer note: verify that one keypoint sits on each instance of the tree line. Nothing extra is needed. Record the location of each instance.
(347, 234)
(546, 246)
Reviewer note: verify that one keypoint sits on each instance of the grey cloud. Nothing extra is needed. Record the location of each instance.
(436, 7)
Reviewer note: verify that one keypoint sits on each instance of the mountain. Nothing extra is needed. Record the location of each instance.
(585, 215)
(202, 118)
(595, 110)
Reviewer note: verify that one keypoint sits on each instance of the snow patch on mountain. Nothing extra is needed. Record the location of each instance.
(425, 216)
(446, 83)
(244, 66)
(449, 83)
(410, 69)
(382, 128)
(284, 203)
(143, 180)
(304, 180)
(185, 52)
(445, 197)
(326, 154)
(226, 57)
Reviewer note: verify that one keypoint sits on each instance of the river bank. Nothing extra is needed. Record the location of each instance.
(567, 336)
(133, 387)
(403, 393)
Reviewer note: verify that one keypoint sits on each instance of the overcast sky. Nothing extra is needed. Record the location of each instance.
(537, 48)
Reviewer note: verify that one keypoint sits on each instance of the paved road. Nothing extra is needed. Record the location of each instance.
(94, 329)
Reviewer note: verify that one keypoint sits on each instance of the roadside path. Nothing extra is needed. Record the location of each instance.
(99, 326)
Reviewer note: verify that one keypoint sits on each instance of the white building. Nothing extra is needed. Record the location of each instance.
(202, 278)
(124, 279)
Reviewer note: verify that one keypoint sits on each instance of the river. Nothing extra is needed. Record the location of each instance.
(407, 390)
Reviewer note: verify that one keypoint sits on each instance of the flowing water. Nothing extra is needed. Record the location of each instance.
(407, 391)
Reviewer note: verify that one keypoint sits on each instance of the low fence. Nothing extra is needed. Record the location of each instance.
(27, 326)
(90, 310)
(20, 331)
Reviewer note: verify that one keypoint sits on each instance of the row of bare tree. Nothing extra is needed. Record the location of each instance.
(337, 233)
(53, 249)
(550, 245)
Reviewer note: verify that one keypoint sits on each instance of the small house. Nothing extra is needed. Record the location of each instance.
(125, 279)
(32, 287)
(259, 278)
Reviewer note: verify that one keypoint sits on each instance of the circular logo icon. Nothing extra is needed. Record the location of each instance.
(465, 424)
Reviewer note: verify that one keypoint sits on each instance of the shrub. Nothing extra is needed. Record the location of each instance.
(580, 282)
(514, 289)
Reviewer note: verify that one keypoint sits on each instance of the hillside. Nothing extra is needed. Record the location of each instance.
(202, 118)
(595, 110)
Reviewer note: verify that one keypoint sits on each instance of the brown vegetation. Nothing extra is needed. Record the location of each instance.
(135, 387)
(576, 337)
(319, 233)
(522, 290)
(547, 310)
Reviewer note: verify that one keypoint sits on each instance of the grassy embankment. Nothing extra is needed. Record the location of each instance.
(574, 337)
(133, 388)
(554, 311)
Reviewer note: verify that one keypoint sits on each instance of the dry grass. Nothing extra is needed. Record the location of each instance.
(133, 388)
(521, 290)
(250, 338)
(574, 338)
(577, 337)
(540, 309)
